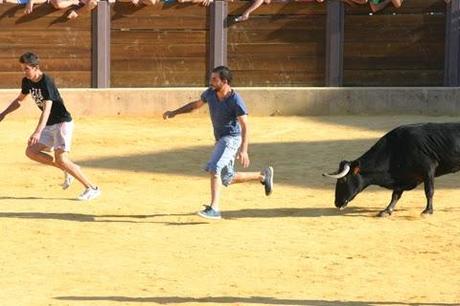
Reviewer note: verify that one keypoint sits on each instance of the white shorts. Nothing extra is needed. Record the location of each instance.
(57, 136)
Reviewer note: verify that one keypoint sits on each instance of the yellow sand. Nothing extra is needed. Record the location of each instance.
(141, 243)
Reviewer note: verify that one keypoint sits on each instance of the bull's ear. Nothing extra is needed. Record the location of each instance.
(356, 167)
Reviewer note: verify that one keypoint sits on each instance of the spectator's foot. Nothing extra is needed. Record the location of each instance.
(209, 213)
(72, 15)
(241, 18)
(268, 174)
(91, 4)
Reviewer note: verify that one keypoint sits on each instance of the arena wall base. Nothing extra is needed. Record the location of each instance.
(436, 101)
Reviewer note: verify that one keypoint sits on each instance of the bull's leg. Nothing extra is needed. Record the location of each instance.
(429, 192)
(394, 199)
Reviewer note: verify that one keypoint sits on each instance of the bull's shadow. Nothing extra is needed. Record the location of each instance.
(299, 164)
(219, 300)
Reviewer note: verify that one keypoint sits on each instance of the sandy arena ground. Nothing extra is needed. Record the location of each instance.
(141, 243)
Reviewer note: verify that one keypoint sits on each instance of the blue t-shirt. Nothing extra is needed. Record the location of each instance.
(224, 113)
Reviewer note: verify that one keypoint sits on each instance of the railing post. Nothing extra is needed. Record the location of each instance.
(334, 43)
(101, 45)
(218, 34)
(452, 46)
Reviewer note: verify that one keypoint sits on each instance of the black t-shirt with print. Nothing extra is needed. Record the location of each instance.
(45, 90)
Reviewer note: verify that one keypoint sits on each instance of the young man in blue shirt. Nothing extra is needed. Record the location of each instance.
(229, 118)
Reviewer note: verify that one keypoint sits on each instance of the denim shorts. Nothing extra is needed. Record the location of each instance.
(222, 160)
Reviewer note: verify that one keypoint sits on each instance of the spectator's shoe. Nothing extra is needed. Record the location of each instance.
(209, 213)
(268, 180)
(72, 15)
(90, 194)
(240, 18)
(68, 180)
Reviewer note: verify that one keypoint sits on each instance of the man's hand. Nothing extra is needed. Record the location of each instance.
(168, 115)
(34, 139)
(243, 157)
(206, 2)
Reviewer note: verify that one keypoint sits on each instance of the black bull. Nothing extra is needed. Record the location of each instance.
(400, 161)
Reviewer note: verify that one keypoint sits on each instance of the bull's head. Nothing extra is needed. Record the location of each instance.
(349, 183)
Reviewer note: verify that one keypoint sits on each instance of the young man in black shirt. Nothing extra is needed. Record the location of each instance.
(55, 127)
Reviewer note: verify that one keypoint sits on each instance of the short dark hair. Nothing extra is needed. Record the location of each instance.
(225, 73)
(29, 58)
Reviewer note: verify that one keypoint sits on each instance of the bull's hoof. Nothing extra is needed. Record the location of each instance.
(427, 212)
(384, 213)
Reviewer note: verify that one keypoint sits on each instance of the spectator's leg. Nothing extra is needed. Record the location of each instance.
(353, 2)
(378, 5)
(150, 2)
(84, 6)
(245, 16)
(397, 3)
(63, 4)
(30, 5)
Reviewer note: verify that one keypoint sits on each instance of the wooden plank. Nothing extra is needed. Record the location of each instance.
(46, 51)
(259, 78)
(360, 22)
(149, 52)
(55, 64)
(272, 50)
(153, 79)
(385, 63)
(51, 38)
(161, 23)
(262, 36)
(283, 65)
(62, 79)
(283, 23)
(158, 64)
(400, 49)
(393, 78)
(123, 10)
(155, 37)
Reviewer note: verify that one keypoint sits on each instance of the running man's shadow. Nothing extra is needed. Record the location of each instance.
(152, 218)
(75, 217)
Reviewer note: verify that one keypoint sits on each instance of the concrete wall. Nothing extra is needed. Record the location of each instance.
(260, 101)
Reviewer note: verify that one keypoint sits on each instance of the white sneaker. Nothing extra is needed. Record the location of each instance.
(90, 194)
(68, 180)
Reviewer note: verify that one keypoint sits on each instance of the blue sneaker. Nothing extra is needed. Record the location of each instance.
(209, 213)
(268, 180)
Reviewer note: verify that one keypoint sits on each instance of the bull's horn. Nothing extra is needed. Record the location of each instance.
(344, 172)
